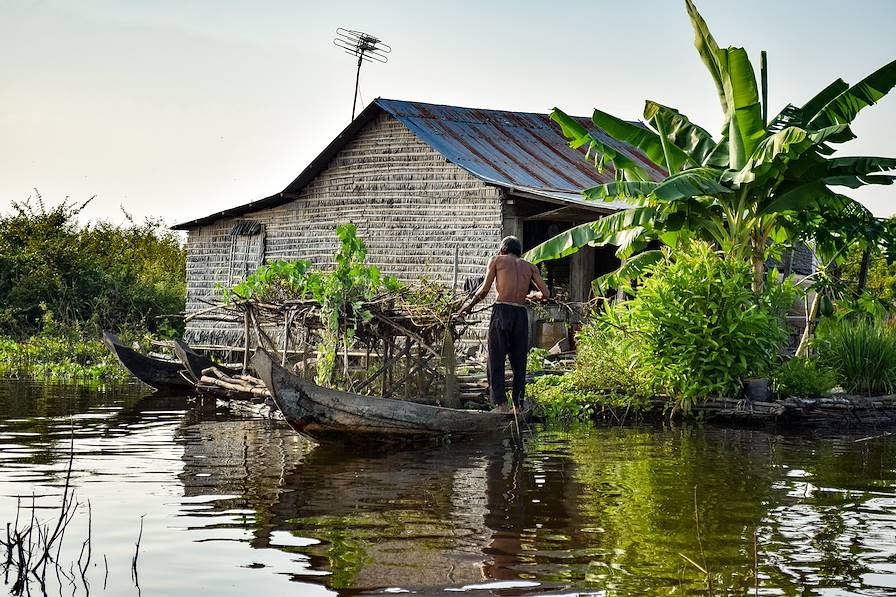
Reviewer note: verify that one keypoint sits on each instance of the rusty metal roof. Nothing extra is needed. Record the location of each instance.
(520, 151)
(510, 149)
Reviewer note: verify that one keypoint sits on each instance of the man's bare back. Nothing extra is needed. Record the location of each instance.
(513, 277)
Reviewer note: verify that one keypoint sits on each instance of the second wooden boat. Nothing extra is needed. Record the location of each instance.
(159, 374)
(327, 415)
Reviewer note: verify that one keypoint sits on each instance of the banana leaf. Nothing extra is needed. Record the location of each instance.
(845, 107)
(579, 136)
(690, 183)
(631, 269)
(642, 138)
(612, 191)
(746, 128)
(607, 230)
(690, 138)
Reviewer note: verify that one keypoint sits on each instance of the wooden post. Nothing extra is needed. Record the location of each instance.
(285, 338)
(407, 367)
(246, 341)
(450, 398)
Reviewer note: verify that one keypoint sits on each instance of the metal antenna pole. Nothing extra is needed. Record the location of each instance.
(365, 47)
(357, 80)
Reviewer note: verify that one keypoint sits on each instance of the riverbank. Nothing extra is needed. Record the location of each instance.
(65, 357)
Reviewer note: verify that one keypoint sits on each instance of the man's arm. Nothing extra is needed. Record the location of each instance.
(482, 292)
(542, 292)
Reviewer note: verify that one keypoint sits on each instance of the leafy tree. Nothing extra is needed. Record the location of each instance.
(103, 275)
(759, 189)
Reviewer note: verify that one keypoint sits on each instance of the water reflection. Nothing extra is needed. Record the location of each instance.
(234, 506)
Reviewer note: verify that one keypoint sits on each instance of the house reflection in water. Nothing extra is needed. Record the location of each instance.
(416, 519)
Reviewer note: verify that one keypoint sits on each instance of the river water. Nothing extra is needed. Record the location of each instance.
(239, 507)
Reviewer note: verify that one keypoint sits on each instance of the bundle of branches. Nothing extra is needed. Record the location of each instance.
(352, 301)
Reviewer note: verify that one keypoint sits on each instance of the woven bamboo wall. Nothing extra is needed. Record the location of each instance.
(412, 208)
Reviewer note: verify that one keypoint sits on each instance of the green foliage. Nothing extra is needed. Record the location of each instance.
(881, 281)
(699, 328)
(535, 360)
(340, 292)
(756, 191)
(560, 399)
(605, 375)
(59, 353)
(803, 377)
(862, 352)
(100, 275)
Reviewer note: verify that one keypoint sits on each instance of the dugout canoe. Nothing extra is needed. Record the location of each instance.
(195, 363)
(333, 416)
(162, 375)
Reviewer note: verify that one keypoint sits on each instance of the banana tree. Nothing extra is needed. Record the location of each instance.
(754, 191)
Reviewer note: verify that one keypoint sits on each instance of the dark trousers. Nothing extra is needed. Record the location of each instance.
(508, 336)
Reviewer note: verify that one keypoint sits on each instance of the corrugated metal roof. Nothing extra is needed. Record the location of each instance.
(513, 150)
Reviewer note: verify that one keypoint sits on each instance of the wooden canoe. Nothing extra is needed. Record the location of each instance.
(159, 374)
(195, 363)
(333, 416)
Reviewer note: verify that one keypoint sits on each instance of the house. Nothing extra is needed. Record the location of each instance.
(432, 190)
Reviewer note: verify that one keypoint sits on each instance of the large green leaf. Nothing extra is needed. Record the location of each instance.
(709, 52)
(859, 165)
(691, 183)
(613, 229)
(811, 108)
(620, 190)
(844, 108)
(854, 182)
(692, 139)
(745, 126)
(808, 195)
(775, 152)
(642, 138)
(579, 136)
(631, 269)
(565, 243)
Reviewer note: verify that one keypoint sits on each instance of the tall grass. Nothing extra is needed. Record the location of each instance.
(863, 352)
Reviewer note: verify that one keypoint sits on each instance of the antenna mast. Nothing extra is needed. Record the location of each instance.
(366, 47)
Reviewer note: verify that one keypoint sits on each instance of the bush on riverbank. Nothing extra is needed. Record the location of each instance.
(95, 276)
(694, 329)
(604, 376)
(863, 353)
(803, 377)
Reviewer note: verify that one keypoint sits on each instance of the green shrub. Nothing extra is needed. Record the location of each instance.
(862, 352)
(605, 375)
(606, 360)
(535, 360)
(101, 274)
(701, 330)
(803, 377)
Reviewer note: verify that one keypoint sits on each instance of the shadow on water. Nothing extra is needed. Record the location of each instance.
(239, 505)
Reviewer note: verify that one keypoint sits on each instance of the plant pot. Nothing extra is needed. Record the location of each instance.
(757, 389)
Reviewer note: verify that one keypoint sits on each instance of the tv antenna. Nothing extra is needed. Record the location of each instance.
(366, 47)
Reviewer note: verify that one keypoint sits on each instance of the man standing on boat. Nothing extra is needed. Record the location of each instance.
(508, 330)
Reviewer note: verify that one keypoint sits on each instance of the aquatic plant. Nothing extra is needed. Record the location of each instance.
(862, 352)
(70, 356)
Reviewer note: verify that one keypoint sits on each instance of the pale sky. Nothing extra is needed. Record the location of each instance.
(179, 108)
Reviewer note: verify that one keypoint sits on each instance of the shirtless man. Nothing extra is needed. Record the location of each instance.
(508, 330)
